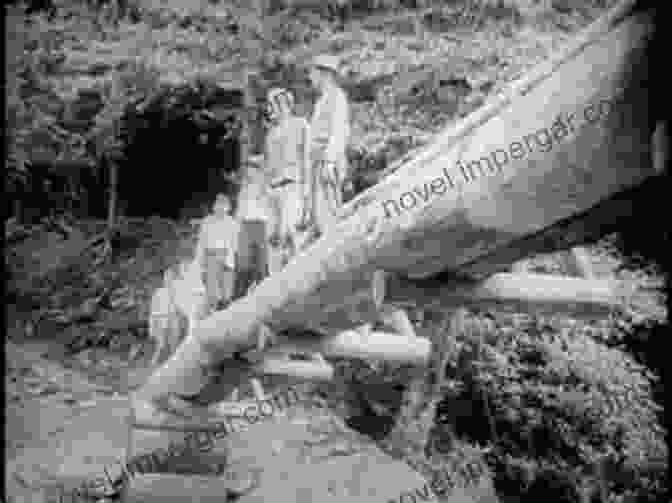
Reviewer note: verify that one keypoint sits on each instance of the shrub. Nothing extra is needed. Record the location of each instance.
(561, 414)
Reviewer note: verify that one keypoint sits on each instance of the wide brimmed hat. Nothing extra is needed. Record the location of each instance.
(327, 62)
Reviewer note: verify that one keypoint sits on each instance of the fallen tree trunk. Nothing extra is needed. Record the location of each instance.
(527, 293)
(473, 203)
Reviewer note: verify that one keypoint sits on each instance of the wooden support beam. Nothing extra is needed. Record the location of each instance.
(455, 217)
(281, 365)
(533, 293)
(352, 344)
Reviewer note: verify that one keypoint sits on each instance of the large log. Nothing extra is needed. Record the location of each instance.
(349, 343)
(445, 212)
(527, 293)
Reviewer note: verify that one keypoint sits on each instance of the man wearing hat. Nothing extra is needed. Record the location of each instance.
(329, 133)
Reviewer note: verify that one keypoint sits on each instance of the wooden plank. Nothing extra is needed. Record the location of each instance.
(481, 221)
(352, 344)
(524, 293)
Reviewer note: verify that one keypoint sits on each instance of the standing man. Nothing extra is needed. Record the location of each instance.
(286, 160)
(329, 132)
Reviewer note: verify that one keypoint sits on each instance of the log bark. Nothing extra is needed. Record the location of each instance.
(482, 221)
(526, 293)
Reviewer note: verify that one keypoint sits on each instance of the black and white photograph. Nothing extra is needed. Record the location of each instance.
(336, 251)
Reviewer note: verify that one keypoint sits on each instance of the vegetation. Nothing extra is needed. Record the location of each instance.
(557, 410)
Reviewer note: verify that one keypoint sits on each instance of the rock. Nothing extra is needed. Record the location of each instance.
(89, 442)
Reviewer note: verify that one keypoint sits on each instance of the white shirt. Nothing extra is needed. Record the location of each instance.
(221, 234)
(286, 148)
(330, 124)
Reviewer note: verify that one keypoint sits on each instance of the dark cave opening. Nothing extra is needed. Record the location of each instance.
(180, 151)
